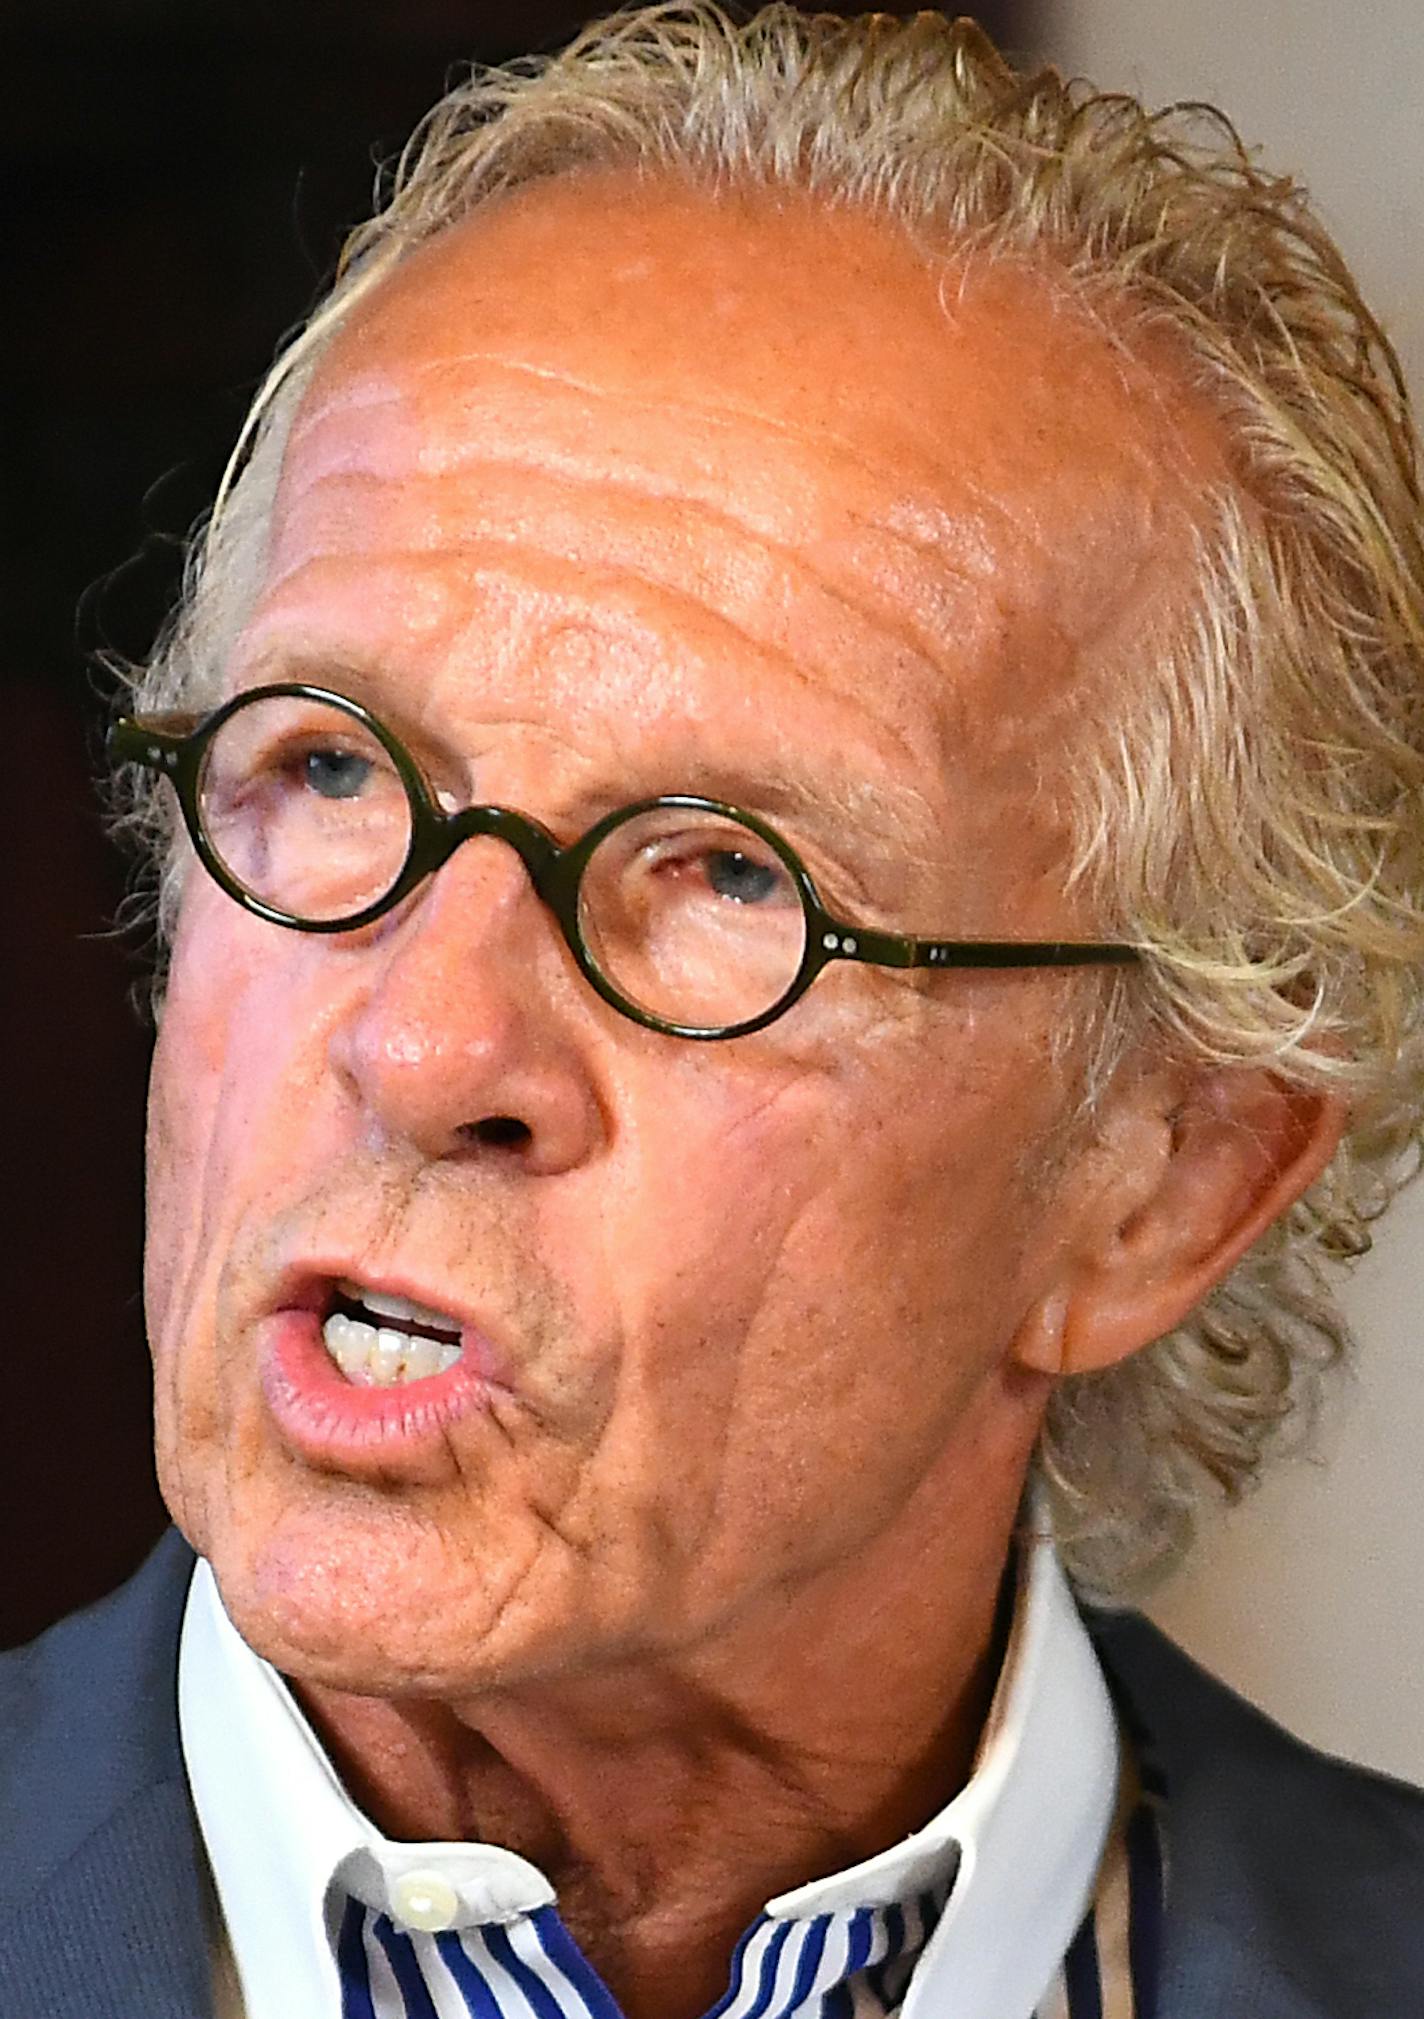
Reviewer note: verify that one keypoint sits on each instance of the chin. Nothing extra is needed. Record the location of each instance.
(355, 1601)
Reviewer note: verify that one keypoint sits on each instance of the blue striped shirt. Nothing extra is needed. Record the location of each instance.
(853, 1965)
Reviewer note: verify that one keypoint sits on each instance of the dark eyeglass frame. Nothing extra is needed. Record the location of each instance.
(175, 746)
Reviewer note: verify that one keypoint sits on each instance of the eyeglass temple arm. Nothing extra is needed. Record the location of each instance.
(887, 949)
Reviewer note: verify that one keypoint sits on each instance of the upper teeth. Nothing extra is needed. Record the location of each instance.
(380, 1355)
(386, 1305)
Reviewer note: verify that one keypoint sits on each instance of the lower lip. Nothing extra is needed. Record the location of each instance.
(336, 1423)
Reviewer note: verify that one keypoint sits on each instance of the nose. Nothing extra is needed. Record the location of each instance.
(467, 1033)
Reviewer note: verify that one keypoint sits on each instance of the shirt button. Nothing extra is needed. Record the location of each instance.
(426, 1901)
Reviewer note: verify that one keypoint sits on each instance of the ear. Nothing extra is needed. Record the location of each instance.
(1186, 1171)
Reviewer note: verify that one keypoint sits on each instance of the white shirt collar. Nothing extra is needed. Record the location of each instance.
(286, 1843)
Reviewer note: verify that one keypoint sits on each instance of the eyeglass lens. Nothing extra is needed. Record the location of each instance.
(689, 915)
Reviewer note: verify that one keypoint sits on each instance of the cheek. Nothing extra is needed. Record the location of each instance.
(816, 1258)
(183, 1091)
(232, 1057)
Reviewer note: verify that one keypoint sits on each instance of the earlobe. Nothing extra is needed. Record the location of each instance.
(1038, 1345)
(1191, 1180)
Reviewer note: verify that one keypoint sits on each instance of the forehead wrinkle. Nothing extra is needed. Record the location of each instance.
(616, 614)
(908, 478)
(937, 554)
(1018, 424)
(721, 412)
(888, 614)
(943, 549)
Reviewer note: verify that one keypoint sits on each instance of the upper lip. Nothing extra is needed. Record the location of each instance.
(313, 1286)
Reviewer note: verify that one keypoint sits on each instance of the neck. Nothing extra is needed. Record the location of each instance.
(667, 1801)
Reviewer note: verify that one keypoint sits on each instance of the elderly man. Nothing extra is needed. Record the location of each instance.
(801, 729)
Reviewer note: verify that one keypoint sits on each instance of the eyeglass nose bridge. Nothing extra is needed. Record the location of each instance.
(437, 834)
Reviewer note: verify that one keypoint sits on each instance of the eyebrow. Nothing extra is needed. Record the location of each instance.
(832, 805)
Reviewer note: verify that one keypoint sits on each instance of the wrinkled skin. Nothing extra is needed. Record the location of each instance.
(618, 490)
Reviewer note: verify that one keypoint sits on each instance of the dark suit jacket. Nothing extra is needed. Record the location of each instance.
(1297, 1883)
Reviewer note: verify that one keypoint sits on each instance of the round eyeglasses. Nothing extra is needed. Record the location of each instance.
(690, 916)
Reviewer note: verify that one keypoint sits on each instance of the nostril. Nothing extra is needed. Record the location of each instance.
(502, 1132)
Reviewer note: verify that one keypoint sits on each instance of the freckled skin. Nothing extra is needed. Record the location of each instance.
(618, 490)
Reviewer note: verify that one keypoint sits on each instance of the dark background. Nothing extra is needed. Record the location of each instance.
(182, 174)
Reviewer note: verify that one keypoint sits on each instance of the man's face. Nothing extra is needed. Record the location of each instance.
(618, 491)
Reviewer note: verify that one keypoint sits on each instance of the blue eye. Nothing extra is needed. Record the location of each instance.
(741, 878)
(336, 774)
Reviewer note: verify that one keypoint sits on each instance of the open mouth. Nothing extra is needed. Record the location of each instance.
(379, 1340)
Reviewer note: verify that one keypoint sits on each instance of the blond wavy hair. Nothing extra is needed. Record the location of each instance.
(1252, 816)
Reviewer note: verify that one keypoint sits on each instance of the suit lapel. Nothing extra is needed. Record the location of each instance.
(1269, 1896)
(118, 1931)
(1208, 1974)
(102, 1905)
